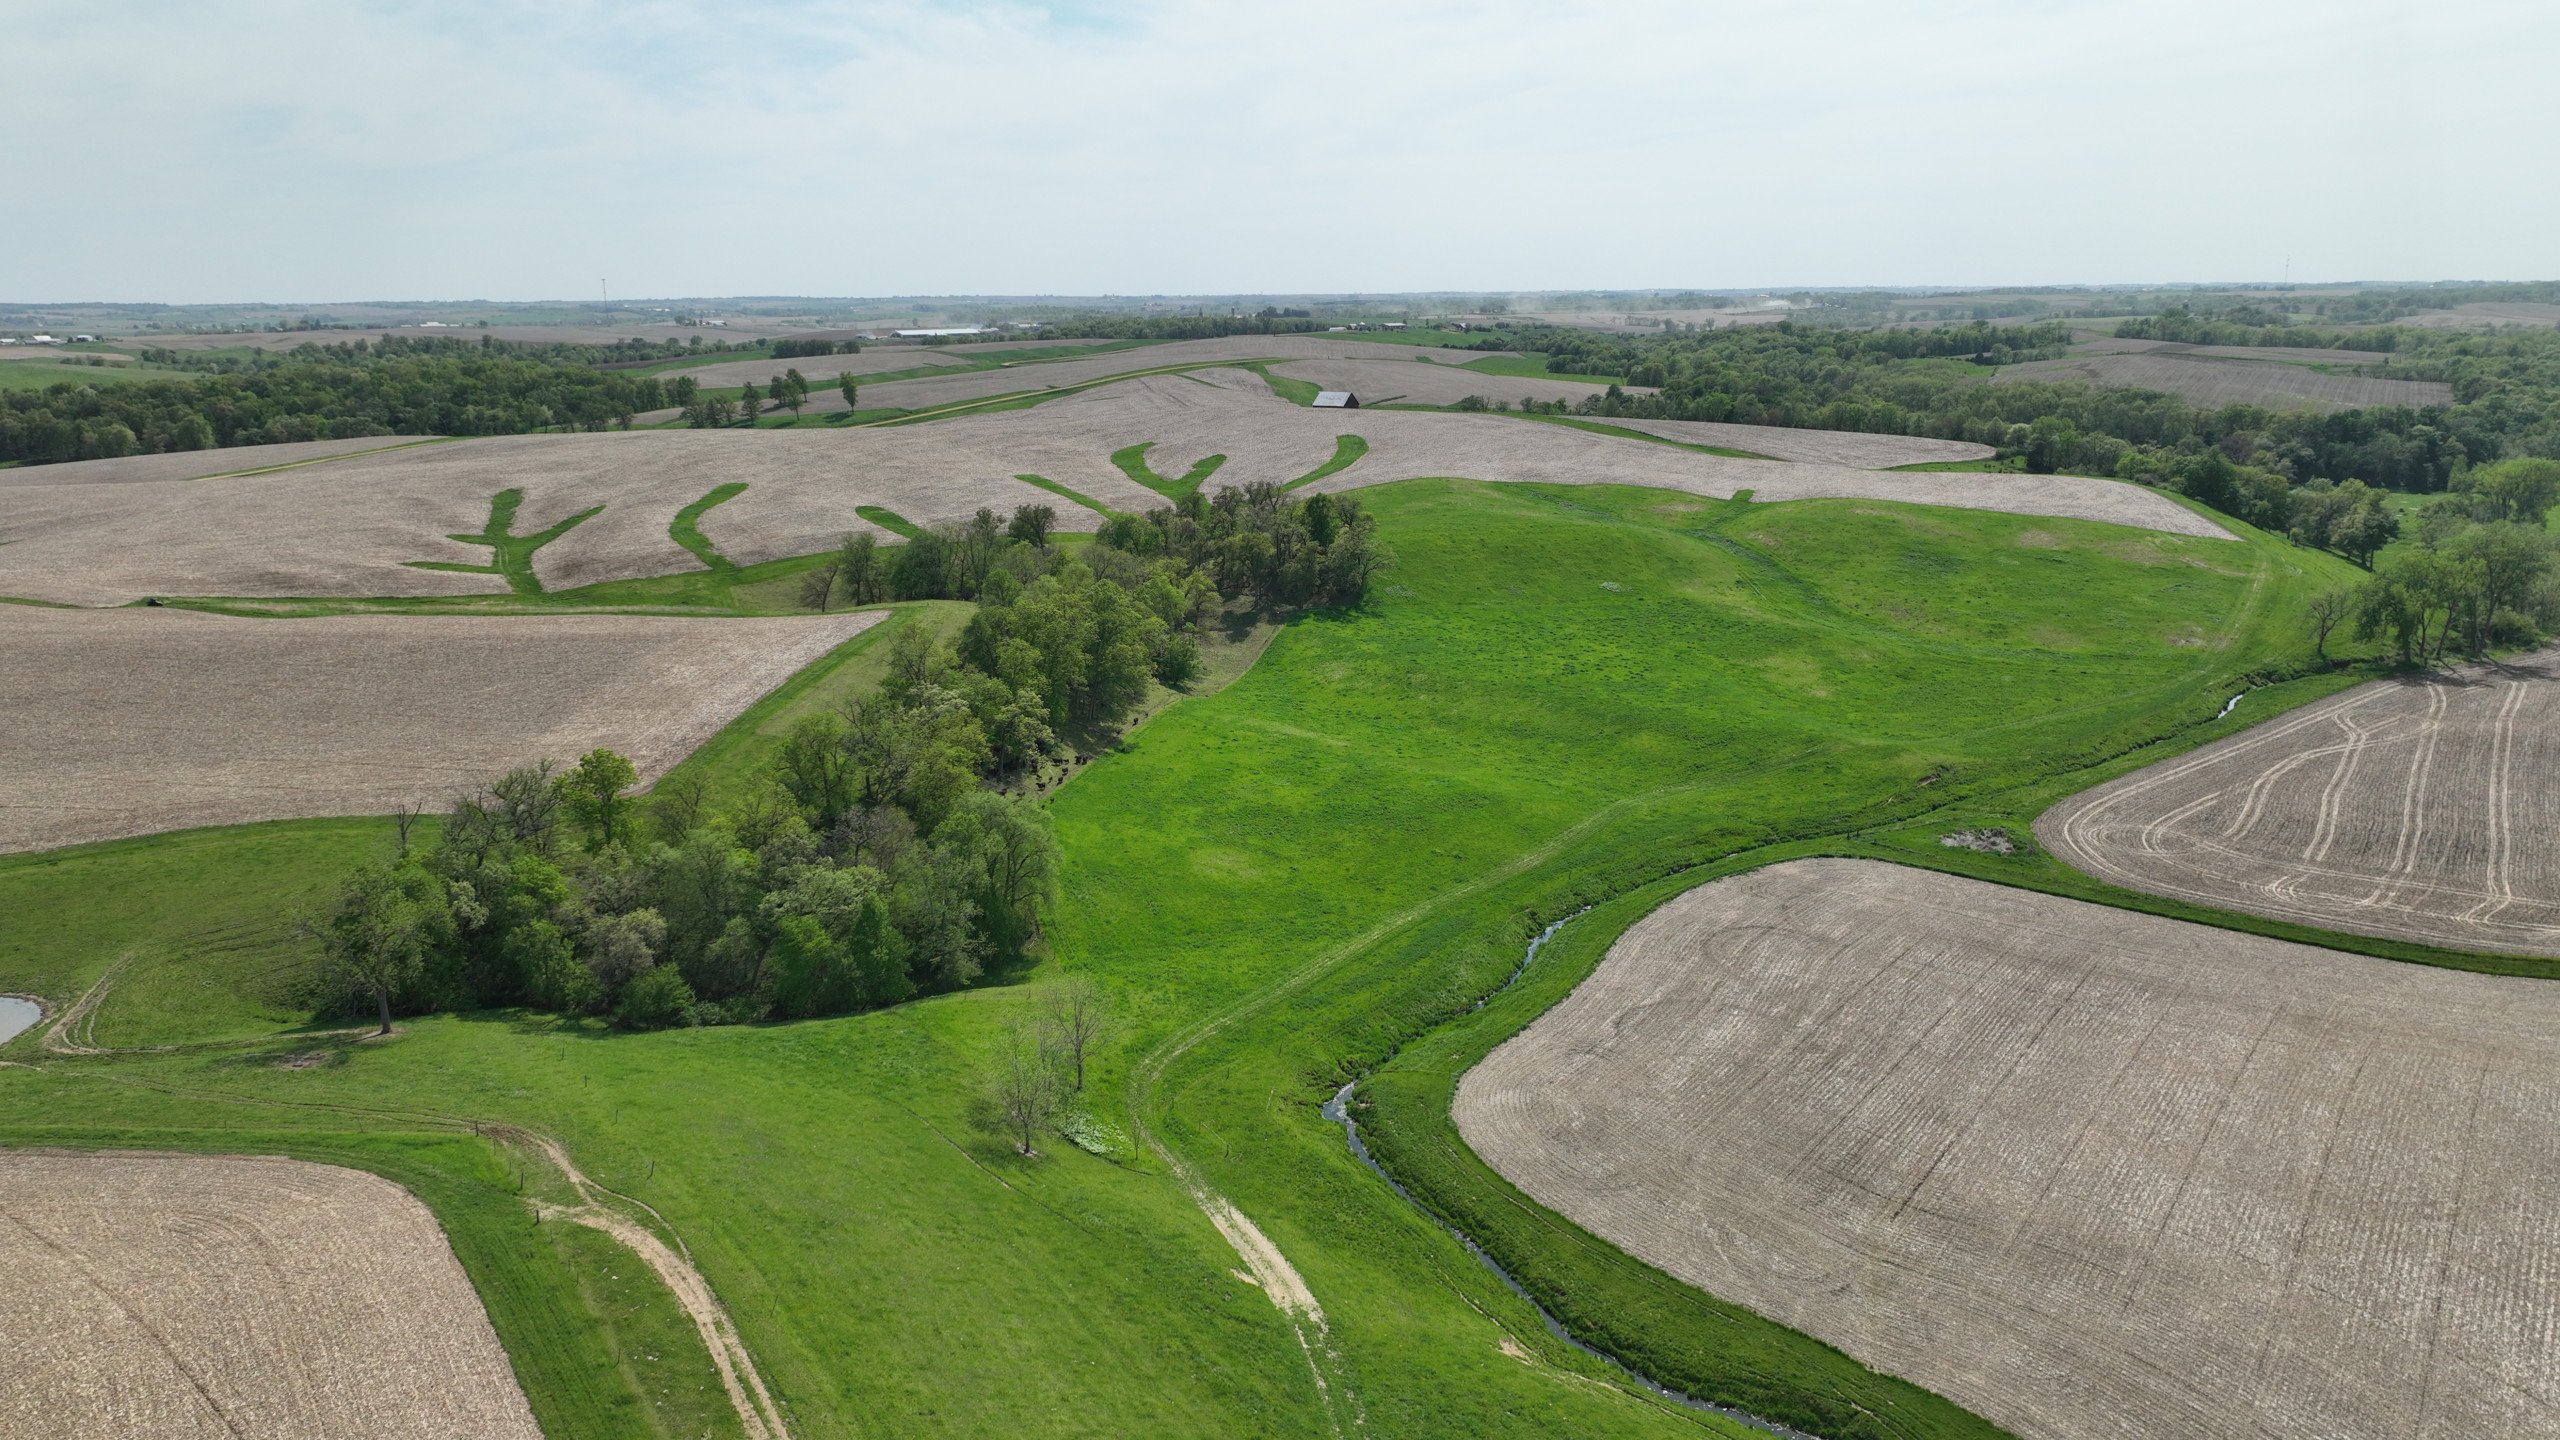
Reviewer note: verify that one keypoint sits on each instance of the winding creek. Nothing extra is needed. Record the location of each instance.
(1338, 1110)
(17, 1016)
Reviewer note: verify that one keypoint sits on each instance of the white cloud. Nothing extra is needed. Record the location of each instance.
(276, 150)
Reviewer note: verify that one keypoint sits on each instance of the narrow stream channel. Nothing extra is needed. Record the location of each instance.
(17, 1016)
(1338, 1110)
(2232, 704)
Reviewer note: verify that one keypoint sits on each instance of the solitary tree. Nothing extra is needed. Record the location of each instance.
(797, 391)
(594, 792)
(818, 587)
(1074, 1024)
(2329, 609)
(1024, 1091)
(406, 819)
(752, 402)
(858, 566)
(844, 384)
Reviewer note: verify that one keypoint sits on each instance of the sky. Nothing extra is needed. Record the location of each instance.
(263, 150)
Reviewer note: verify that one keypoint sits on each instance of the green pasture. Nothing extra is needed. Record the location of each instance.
(18, 373)
(1532, 365)
(1560, 696)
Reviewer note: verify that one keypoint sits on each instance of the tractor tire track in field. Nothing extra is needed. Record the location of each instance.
(757, 1414)
(2411, 832)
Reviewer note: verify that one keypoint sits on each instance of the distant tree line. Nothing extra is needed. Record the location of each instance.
(2250, 461)
(2246, 325)
(618, 353)
(1172, 327)
(324, 396)
(789, 348)
(2382, 305)
(892, 848)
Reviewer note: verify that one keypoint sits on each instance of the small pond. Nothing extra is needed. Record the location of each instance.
(16, 1016)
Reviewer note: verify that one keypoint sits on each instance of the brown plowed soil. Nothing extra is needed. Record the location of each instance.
(2423, 809)
(129, 722)
(226, 1296)
(2092, 1174)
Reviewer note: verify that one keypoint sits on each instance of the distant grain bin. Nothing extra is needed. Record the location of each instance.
(1337, 400)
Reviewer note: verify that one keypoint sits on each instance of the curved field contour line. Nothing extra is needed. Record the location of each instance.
(2423, 809)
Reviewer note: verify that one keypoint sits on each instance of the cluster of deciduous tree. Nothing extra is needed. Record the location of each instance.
(556, 890)
(1041, 1066)
(794, 348)
(319, 397)
(2482, 571)
(1258, 541)
(884, 856)
(787, 391)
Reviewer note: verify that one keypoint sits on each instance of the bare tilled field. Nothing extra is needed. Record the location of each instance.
(223, 1296)
(348, 527)
(2287, 354)
(2209, 381)
(929, 391)
(351, 527)
(2424, 809)
(2089, 1173)
(2480, 315)
(1423, 381)
(1229, 412)
(1854, 449)
(197, 464)
(129, 722)
(819, 370)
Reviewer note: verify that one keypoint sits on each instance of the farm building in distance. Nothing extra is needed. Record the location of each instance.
(1337, 400)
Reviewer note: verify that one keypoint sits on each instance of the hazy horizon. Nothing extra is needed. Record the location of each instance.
(275, 149)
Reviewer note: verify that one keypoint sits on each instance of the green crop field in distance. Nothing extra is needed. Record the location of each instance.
(1560, 695)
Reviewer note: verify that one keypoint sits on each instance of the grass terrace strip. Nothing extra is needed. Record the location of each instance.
(1347, 450)
(1078, 496)
(889, 520)
(1132, 461)
(684, 531)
